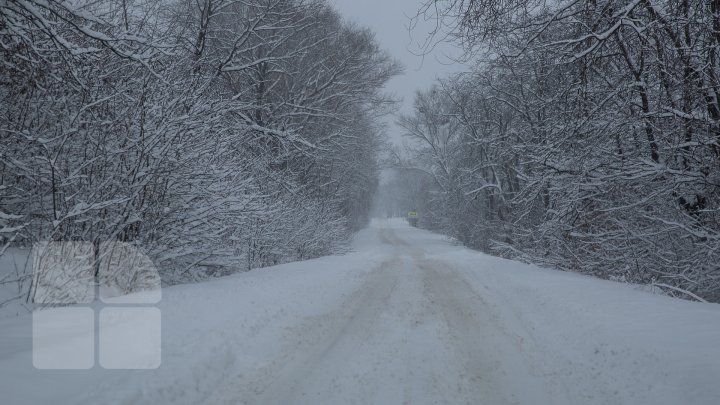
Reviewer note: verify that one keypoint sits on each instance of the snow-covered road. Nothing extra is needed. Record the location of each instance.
(406, 318)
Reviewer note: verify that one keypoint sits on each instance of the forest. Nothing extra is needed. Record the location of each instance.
(216, 135)
(585, 136)
(222, 135)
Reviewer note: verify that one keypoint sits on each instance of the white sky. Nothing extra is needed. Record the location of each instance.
(390, 20)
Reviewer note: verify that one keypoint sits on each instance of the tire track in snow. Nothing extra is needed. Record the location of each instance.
(496, 367)
(322, 336)
(413, 332)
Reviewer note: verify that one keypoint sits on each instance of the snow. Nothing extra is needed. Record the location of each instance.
(407, 317)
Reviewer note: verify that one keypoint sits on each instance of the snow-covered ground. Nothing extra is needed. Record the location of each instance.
(407, 317)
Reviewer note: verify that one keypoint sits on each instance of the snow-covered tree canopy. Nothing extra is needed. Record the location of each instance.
(209, 133)
(587, 137)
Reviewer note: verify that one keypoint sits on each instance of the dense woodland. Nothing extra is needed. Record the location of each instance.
(215, 135)
(220, 135)
(585, 137)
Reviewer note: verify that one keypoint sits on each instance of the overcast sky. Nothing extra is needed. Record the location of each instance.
(390, 19)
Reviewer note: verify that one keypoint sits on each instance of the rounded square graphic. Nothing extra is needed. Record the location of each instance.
(126, 275)
(130, 338)
(63, 272)
(64, 338)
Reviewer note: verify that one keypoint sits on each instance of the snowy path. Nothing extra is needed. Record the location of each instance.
(406, 318)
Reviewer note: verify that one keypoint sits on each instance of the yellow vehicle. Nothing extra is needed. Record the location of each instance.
(412, 217)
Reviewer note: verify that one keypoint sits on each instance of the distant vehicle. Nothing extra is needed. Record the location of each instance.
(412, 218)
